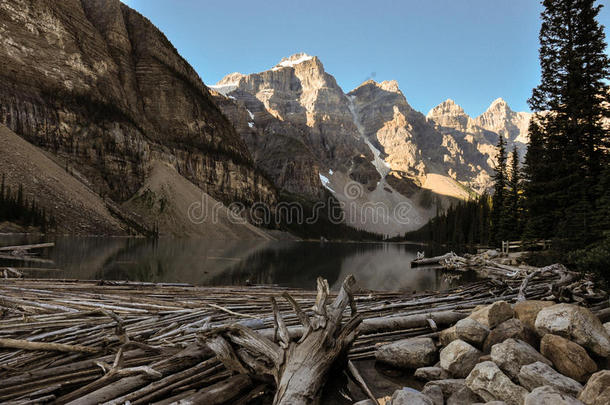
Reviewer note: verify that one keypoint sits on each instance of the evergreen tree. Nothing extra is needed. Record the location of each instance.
(512, 218)
(567, 150)
(602, 217)
(540, 205)
(498, 200)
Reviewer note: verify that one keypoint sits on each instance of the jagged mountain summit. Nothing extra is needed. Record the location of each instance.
(483, 131)
(306, 133)
(102, 98)
(499, 118)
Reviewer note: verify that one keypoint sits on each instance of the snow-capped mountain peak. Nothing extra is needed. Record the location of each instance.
(293, 60)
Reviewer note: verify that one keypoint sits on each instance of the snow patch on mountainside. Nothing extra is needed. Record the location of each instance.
(383, 168)
(325, 181)
(293, 60)
(224, 89)
(383, 210)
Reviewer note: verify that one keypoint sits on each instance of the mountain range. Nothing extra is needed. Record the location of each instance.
(305, 132)
(99, 94)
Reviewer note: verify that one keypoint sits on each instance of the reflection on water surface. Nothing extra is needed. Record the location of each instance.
(376, 266)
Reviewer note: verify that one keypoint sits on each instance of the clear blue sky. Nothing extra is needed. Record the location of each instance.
(472, 51)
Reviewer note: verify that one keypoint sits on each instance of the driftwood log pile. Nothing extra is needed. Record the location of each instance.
(562, 284)
(24, 253)
(77, 342)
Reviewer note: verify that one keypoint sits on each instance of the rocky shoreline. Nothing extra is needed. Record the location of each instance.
(521, 335)
(532, 352)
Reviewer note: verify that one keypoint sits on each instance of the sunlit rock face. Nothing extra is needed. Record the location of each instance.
(297, 122)
(499, 118)
(483, 131)
(102, 89)
(306, 133)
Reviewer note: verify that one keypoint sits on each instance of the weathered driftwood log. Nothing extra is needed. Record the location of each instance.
(60, 347)
(422, 261)
(387, 323)
(565, 277)
(25, 247)
(221, 392)
(299, 369)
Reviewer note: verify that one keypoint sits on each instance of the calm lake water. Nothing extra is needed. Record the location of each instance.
(376, 266)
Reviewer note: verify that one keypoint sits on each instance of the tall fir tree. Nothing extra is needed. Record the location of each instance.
(602, 205)
(498, 233)
(540, 205)
(512, 217)
(568, 143)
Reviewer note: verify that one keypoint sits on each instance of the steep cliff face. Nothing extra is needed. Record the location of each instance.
(483, 131)
(413, 147)
(450, 115)
(499, 118)
(75, 207)
(100, 87)
(279, 148)
(365, 147)
(299, 125)
(297, 106)
(400, 132)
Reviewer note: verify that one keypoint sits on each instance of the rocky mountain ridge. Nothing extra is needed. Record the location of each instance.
(305, 132)
(102, 89)
(103, 92)
(483, 131)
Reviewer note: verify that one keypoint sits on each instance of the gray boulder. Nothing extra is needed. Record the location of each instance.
(597, 390)
(491, 384)
(527, 311)
(539, 374)
(459, 358)
(447, 336)
(449, 386)
(512, 354)
(546, 395)
(435, 393)
(513, 328)
(463, 396)
(431, 373)
(471, 331)
(494, 314)
(408, 353)
(569, 358)
(409, 396)
(576, 323)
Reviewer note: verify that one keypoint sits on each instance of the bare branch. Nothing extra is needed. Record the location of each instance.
(281, 326)
(319, 307)
(225, 354)
(303, 318)
(354, 374)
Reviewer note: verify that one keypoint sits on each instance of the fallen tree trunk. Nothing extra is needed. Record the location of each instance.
(60, 347)
(26, 247)
(385, 323)
(422, 261)
(299, 369)
(221, 392)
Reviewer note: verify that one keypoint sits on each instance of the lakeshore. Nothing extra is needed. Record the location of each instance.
(73, 341)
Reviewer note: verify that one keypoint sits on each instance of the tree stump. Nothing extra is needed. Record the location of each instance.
(299, 369)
